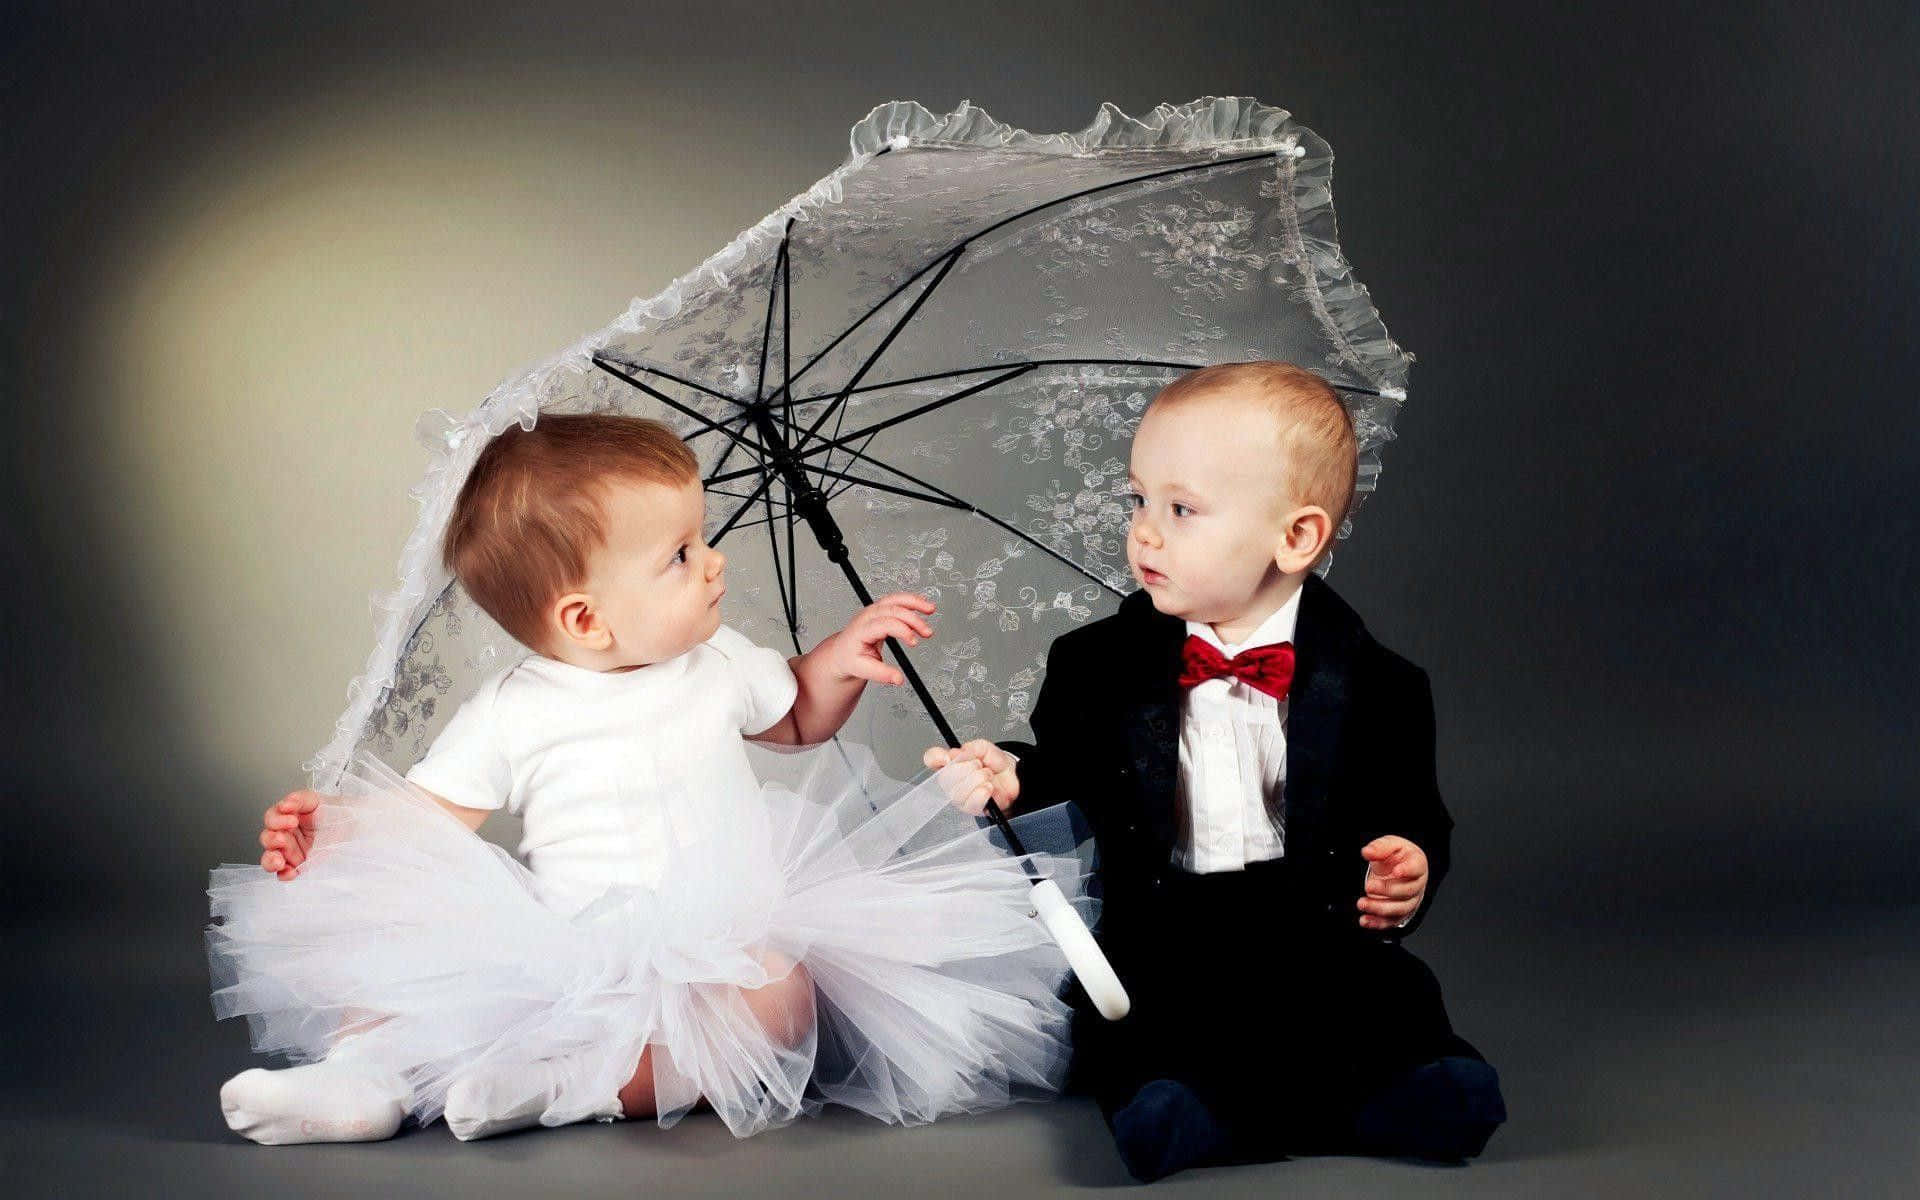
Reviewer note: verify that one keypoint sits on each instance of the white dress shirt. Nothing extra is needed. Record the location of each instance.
(1233, 758)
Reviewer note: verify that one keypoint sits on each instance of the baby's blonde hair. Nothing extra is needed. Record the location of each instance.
(1312, 428)
(533, 509)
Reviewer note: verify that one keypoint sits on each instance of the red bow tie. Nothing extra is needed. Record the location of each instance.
(1269, 668)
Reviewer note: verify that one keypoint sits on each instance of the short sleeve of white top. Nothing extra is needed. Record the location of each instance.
(766, 683)
(604, 766)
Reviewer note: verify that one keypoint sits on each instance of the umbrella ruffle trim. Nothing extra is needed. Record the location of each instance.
(1228, 125)
(1225, 123)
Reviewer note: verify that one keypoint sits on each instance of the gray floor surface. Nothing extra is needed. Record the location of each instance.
(1764, 1057)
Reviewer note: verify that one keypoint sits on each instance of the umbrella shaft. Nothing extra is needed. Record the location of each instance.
(811, 504)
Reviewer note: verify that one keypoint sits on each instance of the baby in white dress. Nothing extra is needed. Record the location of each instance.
(681, 933)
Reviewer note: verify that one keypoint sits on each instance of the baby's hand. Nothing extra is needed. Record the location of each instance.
(1396, 880)
(973, 773)
(287, 833)
(855, 653)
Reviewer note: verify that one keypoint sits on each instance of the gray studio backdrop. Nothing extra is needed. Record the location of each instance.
(1649, 522)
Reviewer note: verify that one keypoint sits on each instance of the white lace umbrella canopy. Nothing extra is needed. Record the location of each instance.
(938, 354)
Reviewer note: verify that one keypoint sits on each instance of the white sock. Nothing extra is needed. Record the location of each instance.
(334, 1100)
(513, 1096)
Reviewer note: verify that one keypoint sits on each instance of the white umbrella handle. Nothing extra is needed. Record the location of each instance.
(1089, 965)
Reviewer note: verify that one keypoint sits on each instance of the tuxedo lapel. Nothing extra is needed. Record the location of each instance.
(1323, 640)
(1151, 711)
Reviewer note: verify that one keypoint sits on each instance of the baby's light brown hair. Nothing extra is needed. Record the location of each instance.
(1312, 428)
(532, 510)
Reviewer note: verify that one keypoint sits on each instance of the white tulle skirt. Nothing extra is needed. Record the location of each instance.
(934, 989)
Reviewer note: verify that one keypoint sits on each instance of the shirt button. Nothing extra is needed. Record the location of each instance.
(1330, 908)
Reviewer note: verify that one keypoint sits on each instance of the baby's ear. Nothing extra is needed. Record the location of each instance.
(1305, 533)
(577, 622)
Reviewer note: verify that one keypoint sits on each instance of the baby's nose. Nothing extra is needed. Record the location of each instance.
(718, 565)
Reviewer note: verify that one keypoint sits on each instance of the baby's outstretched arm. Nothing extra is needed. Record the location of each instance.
(833, 674)
(286, 829)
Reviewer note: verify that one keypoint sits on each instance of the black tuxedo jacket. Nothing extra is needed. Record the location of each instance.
(1360, 762)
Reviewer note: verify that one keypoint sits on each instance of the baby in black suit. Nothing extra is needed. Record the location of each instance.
(1259, 776)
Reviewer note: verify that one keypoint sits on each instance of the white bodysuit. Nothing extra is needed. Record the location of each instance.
(602, 766)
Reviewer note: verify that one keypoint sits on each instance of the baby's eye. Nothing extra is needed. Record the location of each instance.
(1136, 500)
(1181, 510)
(680, 555)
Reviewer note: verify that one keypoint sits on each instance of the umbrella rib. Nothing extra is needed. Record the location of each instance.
(793, 579)
(737, 438)
(841, 442)
(839, 420)
(839, 407)
(773, 547)
(738, 496)
(1001, 366)
(765, 481)
(766, 331)
(756, 523)
(842, 488)
(953, 501)
(829, 410)
(666, 374)
(608, 366)
(721, 427)
(970, 238)
(947, 501)
(786, 326)
(1049, 362)
(730, 476)
(726, 452)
